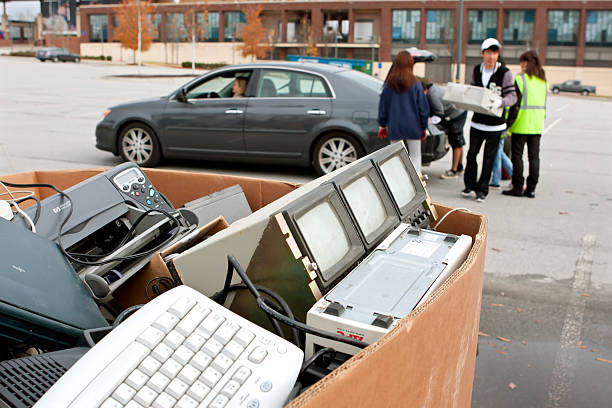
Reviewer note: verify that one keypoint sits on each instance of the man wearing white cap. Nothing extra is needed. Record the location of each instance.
(487, 129)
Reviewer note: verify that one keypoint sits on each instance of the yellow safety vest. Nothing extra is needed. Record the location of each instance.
(532, 110)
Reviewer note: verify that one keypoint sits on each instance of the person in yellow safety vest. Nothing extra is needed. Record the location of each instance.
(527, 128)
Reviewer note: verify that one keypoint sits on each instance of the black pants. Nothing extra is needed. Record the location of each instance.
(533, 155)
(491, 142)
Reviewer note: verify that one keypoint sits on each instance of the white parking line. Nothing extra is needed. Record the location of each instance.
(565, 362)
(546, 129)
(561, 108)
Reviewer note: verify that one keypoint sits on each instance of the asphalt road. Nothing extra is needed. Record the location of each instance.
(546, 318)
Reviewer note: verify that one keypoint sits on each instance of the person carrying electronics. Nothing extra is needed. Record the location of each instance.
(527, 128)
(487, 129)
(452, 119)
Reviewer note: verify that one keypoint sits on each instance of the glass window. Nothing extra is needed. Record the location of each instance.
(155, 22)
(219, 86)
(28, 33)
(15, 32)
(364, 31)
(176, 31)
(98, 28)
(405, 25)
(232, 21)
(518, 26)
(212, 26)
(483, 24)
(334, 31)
(277, 83)
(599, 28)
(563, 27)
(439, 28)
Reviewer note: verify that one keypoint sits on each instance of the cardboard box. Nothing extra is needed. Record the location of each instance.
(428, 360)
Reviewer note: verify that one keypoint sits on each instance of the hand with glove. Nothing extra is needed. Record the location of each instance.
(424, 134)
(382, 133)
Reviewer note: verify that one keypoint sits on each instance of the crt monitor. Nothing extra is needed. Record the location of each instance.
(401, 179)
(368, 202)
(324, 231)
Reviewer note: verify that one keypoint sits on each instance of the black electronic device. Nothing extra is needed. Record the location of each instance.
(325, 232)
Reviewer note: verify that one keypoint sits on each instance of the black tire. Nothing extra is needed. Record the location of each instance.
(556, 90)
(138, 143)
(335, 150)
(584, 93)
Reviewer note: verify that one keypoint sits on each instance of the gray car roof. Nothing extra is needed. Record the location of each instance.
(312, 66)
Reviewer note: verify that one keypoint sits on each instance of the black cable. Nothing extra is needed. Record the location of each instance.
(314, 357)
(159, 285)
(284, 319)
(125, 314)
(37, 214)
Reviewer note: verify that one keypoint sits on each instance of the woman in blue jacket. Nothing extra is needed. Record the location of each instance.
(403, 108)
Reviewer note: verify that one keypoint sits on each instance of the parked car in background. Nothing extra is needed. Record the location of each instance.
(293, 113)
(56, 54)
(573, 86)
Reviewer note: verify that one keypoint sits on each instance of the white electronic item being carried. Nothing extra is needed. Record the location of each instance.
(399, 275)
(181, 350)
(472, 98)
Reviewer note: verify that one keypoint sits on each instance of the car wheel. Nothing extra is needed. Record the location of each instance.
(584, 93)
(335, 150)
(55, 59)
(139, 144)
(555, 90)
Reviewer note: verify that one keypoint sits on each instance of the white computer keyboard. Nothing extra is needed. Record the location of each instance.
(181, 350)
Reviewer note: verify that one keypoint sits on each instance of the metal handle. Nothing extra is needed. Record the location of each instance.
(316, 112)
(234, 111)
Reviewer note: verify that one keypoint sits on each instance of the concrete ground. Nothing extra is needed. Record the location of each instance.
(546, 318)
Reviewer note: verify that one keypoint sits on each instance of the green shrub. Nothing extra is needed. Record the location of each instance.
(204, 65)
(97, 57)
(109, 58)
(22, 54)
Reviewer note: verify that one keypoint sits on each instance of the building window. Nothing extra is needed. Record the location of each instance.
(232, 20)
(599, 28)
(563, 27)
(518, 26)
(364, 31)
(406, 25)
(439, 28)
(98, 28)
(212, 27)
(155, 23)
(28, 33)
(176, 31)
(483, 24)
(15, 32)
(335, 31)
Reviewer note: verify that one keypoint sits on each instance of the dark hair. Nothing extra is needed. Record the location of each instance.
(401, 77)
(534, 68)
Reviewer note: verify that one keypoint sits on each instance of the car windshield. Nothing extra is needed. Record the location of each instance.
(369, 81)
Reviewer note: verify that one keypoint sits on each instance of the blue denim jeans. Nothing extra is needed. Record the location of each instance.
(501, 159)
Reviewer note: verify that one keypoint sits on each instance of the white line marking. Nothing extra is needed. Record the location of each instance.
(565, 362)
(546, 129)
(561, 108)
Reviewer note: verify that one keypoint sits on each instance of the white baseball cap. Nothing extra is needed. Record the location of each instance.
(488, 43)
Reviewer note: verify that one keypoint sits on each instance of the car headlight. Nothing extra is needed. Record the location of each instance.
(106, 113)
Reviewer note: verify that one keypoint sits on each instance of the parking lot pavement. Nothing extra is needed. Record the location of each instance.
(546, 318)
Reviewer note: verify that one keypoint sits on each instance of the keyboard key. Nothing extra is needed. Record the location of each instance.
(137, 379)
(233, 350)
(164, 400)
(210, 376)
(111, 403)
(124, 393)
(182, 306)
(145, 396)
(219, 402)
(212, 347)
(166, 322)
(158, 382)
(150, 337)
(194, 342)
(242, 375)
(177, 388)
(189, 374)
(149, 366)
(133, 404)
(226, 332)
(198, 391)
(230, 389)
(201, 360)
(171, 368)
(222, 363)
(210, 325)
(162, 352)
(258, 355)
(186, 402)
(183, 355)
(174, 339)
(244, 337)
(192, 320)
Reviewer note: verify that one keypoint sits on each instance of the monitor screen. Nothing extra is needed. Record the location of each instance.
(396, 174)
(325, 232)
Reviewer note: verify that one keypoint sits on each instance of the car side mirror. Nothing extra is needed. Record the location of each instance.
(181, 96)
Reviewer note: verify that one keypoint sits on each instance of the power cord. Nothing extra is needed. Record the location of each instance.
(284, 319)
(449, 213)
(125, 314)
(14, 202)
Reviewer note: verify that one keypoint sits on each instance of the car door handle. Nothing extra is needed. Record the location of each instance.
(234, 111)
(316, 112)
